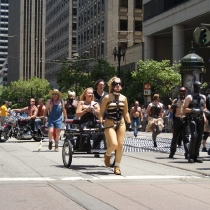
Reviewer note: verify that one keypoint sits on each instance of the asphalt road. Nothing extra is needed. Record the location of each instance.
(38, 180)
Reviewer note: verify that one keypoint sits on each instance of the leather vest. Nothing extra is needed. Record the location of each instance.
(155, 111)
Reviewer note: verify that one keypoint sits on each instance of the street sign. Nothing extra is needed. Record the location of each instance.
(201, 35)
(147, 92)
(147, 86)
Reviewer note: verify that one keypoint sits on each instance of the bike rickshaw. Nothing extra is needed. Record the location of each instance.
(86, 141)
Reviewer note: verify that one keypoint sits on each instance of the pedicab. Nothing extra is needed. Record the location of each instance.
(82, 141)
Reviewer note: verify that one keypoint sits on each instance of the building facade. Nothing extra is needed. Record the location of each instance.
(169, 26)
(26, 50)
(61, 26)
(102, 24)
(4, 10)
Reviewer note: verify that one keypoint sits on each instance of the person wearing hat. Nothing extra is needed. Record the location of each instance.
(180, 123)
(54, 109)
(155, 113)
(194, 106)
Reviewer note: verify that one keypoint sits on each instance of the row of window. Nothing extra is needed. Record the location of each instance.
(95, 51)
(58, 10)
(84, 2)
(137, 3)
(4, 7)
(93, 31)
(4, 13)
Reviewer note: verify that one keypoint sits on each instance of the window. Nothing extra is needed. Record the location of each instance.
(74, 11)
(74, 26)
(138, 25)
(123, 25)
(124, 3)
(74, 41)
(138, 4)
(102, 26)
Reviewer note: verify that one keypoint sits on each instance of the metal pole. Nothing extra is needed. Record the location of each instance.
(119, 59)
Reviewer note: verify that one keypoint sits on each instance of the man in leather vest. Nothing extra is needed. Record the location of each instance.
(155, 113)
(180, 123)
(194, 106)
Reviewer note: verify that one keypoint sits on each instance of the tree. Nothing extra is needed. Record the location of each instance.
(162, 76)
(20, 91)
(74, 75)
(102, 70)
(80, 74)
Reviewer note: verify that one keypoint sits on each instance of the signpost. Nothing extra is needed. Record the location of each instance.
(147, 92)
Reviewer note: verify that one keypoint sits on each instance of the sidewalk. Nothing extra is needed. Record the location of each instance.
(162, 158)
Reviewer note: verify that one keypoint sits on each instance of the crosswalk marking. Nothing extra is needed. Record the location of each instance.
(143, 177)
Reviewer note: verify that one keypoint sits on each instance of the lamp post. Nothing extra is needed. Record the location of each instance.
(118, 53)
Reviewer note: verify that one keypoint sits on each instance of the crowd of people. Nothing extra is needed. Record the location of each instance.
(188, 115)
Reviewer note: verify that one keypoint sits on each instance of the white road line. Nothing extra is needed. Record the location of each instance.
(96, 178)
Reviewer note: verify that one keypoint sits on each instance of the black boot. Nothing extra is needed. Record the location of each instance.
(191, 159)
(155, 144)
(186, 155)
(198, 160)
(171, 156)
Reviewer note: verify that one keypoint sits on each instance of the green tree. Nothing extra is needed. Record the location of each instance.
(102, 70)
(19, 92)
(162, 76)
(74, 75)
(79, 74)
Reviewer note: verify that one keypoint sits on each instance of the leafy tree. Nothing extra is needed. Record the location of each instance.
(74, 75)
(162, 76)
(19, 92)
(102, 70)
(79, 74)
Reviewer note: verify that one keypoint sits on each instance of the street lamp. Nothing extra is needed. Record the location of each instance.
(118, 54)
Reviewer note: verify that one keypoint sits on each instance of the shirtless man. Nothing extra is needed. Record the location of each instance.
(180, 123)
(136, 116)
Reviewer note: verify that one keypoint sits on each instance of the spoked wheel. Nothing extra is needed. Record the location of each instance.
(67, 153)
(3, 136)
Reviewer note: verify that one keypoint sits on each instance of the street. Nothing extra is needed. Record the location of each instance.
(38, 180)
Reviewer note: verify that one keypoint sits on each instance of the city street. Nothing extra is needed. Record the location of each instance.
(38, 180)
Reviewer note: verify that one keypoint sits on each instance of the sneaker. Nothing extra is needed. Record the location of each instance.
(96, 155)
(50, 145)
(135, 135)
(204, 149)
(56, 149)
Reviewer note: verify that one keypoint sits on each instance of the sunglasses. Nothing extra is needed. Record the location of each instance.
(118, 83)
(55, 94)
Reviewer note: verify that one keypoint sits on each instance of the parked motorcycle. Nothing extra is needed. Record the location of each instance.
(18, 126)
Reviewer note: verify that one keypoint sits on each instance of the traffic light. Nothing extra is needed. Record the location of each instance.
(201, 35)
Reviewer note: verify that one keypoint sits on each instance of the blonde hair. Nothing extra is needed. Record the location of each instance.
(83, 97)
(110, 83)
(156, 96)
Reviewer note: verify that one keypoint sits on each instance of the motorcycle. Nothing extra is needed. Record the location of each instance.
(18, 127)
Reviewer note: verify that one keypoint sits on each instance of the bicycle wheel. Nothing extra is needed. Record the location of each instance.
(67, 153)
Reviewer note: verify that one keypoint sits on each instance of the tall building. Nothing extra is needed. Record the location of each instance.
(169, 27)
(26, 50)
(61, 26)
(4, 9)
(102, 24)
